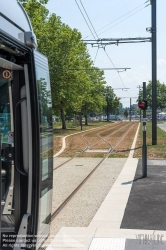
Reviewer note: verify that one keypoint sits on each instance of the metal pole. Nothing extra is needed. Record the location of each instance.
(154, 73)
(139, 100)
(130, 109)
(144, 147)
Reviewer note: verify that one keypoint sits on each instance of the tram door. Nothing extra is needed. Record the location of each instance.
(26, 149)
(7, 152)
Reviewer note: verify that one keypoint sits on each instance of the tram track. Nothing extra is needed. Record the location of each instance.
(105, 138)
(91, 146)
(86, 148)
(77, 188)
(100, 137)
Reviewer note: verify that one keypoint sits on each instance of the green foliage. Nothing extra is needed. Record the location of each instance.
(33, 1)
(73, 90)
(112, 101)
(161, 95)
(126, 113)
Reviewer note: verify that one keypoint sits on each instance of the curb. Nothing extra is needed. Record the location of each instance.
(134, 143)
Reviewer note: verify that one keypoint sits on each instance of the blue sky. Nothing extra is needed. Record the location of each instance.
(135, 56)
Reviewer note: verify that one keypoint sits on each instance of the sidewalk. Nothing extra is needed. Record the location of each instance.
(132, 216)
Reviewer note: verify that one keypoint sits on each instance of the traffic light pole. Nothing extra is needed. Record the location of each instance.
(154, 73)
(144, 147)
(139, 100)
(130, 109)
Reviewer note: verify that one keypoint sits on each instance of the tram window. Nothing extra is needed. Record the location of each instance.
(4, 111)
(46, 141)
(45, 123)
(13, 30)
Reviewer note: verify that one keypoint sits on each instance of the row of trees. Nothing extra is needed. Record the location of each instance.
(77, 86)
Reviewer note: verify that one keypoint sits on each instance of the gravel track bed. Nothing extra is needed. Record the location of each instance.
(83, 206)
(68, 177)
(59, 160)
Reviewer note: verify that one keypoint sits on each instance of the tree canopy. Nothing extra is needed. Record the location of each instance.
(161, 94)
(76, 84)
(112, 101)
(33, 1)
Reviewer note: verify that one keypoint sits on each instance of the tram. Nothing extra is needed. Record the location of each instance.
(26, 139)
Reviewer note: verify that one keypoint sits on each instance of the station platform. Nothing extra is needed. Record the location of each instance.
(132, 216)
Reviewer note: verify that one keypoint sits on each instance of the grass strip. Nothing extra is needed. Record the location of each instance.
(153, 151)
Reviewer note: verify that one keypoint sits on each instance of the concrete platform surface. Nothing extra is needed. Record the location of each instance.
(117, 224)
(146, 207)
(108, 239)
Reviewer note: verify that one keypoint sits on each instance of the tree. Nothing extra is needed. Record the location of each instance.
(69, 87)
(72, 90)
(161, 95)
(94, 99)
(33, 1)
(38, 15)
(116, 104)
(112, 101)
(126, 113)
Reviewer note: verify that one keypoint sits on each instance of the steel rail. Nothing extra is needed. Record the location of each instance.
(86, 148)
(104, 139)
(63, 204)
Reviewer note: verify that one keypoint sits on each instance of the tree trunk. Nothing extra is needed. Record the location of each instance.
(63, 119)
(108, 116)
(86, 120)
(80, 119)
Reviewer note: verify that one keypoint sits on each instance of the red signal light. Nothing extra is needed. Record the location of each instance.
(142, 104)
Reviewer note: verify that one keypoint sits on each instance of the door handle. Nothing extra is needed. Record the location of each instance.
(17, 163)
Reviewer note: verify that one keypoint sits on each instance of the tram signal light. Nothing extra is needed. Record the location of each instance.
(142, 105)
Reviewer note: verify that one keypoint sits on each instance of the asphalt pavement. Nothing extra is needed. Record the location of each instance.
(162, 126)
(146, 206)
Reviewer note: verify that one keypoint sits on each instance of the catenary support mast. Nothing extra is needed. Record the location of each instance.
(154, 74)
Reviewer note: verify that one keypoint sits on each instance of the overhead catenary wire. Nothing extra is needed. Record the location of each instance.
(92, 28)
(98, 38)
(117, 70)
(88, 18)
(85, 19)
(96, 55)
(121, 17)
